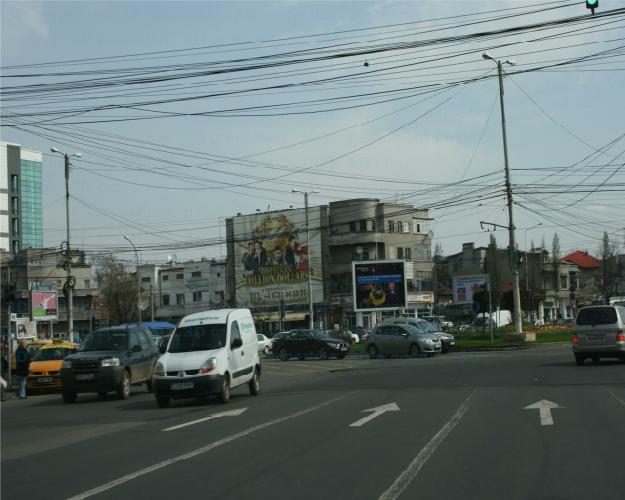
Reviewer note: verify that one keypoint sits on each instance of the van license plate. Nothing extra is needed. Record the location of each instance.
(44, 379)
(85, 376)
(181, 386)
(595, 337)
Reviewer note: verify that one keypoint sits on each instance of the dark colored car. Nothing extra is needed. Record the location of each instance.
(110, 359)
(302, 343)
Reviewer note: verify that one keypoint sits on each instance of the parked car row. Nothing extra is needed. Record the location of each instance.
(304, 343)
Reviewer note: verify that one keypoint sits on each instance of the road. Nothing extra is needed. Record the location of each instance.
(447, 427)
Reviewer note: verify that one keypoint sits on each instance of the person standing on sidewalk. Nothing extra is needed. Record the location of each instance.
(22, 363)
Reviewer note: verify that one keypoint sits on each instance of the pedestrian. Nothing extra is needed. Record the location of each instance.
(22, 363)
(3, 387)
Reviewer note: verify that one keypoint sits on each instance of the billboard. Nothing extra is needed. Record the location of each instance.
(271, 258)
(379, 285)
(44, 305)
(465, 286)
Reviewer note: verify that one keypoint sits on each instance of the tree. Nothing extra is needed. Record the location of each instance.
(442, 278)
(118, 289)
(555, 261)
(609, 267)
(493, 271)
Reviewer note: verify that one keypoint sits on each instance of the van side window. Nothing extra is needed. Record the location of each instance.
(144, 341)
(234, 332)
(132, 340)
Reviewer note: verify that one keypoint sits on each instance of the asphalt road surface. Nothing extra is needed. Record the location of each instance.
(449, 427)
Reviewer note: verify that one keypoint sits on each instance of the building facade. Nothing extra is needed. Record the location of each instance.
(21, 212)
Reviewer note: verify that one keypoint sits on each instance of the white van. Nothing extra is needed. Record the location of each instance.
(209, 353)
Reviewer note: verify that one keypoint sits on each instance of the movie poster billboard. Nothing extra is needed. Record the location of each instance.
(379, 285)
(272, 258)
(44, 305)
(464, 287)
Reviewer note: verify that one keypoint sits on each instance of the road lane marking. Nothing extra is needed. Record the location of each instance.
(377, 411)
(544, 408)
(230, 413)
(203, 449)
(615, 396)
(406, 477)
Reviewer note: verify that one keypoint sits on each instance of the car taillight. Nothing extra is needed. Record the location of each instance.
(620, 336)
(574, 339)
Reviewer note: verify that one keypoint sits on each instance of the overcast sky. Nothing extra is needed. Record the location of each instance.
(410, 149)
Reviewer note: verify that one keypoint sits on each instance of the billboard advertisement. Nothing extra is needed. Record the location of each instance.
(44, 305)
(465, 286)
(379, 285)
(271, 258)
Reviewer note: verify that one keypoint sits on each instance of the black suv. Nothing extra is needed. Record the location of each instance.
(302, 343)
(110, 359)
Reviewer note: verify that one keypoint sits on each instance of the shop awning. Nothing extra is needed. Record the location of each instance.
(292, 316)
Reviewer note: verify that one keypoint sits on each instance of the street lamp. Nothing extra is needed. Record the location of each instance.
(516, 294)
(137, 273)
(526, 268)
(310, 298)
(69, 284)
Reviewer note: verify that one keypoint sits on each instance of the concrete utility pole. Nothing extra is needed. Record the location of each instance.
(137, 273)
(70, 279)
(311, 323)
(516, 294)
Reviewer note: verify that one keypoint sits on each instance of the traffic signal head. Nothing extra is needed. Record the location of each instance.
(592, 5)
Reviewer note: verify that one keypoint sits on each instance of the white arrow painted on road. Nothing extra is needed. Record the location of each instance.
(545, 408)
(377, 411)
(229, 413)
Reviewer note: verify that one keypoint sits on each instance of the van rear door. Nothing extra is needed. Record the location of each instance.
(597, 326)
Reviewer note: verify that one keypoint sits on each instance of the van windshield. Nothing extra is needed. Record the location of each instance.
(105, 340)
(198, 338)
(597, 316)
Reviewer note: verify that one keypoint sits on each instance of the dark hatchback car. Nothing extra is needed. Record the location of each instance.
(110, 359)
(302, 343)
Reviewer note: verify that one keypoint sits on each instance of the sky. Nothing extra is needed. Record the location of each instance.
(171, 193)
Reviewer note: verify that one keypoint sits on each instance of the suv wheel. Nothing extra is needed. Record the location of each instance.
(373, 352)
(69, 397)
(123, 391)
(224, 395)
(323, 353)
(255, 383)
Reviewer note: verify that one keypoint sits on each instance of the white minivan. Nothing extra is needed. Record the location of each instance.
(209, 353)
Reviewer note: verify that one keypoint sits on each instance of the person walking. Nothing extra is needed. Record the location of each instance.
(22, 363)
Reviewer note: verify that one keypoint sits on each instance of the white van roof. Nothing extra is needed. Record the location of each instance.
(208, 317)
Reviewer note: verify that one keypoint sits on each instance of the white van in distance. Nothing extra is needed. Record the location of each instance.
(209, 353)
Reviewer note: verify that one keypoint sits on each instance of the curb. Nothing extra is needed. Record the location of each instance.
(511, 348)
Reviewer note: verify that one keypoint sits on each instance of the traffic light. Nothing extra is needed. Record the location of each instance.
(592, 5)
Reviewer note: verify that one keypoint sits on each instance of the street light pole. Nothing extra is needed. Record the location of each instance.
(516, 294)
(311, 323)
(69, 283)
(137, 273)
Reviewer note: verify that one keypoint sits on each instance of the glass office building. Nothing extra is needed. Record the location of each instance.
(32, 210)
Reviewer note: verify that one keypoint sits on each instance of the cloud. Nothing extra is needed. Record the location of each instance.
(23, 20)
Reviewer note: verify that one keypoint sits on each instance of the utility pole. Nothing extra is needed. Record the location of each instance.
(311, 323)
(69, 283)
(514, 266)
(137, 273)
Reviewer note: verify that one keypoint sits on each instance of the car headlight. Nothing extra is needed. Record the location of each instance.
(159, 370)
(209, 365)
(109, 362)
(67, 363)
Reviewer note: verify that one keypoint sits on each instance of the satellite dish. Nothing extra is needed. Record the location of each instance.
(431, 233)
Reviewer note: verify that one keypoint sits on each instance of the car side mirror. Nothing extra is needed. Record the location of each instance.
(136, 348)
(162, 348)
(236, 343)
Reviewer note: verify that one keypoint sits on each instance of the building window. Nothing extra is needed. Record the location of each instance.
(196, 274)
(400, 226)
(400, 252)
(180, 276)
(87, 284)
(165, 277)
(15, 184)
(197, 296)
(180, 299)
(15, 227)
(145, 279)
(218, 275)
(423, 281)
(165, 299)
(408, 253)
(418, 226)
(406, 228)
(370, 225)
(352, 227)
(391, 226)
(564, 282)
(423, 252)
(363, 254)
(15, 205)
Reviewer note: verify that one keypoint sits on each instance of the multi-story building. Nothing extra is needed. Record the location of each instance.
(21, 212)
(173, 290)
(44, 268)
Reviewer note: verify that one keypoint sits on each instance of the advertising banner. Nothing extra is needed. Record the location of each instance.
(271, 258)
(465, 286)
(379, 285)
(44, 305)
(25, 328)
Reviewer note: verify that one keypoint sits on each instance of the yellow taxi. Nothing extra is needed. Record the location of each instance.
(32, 346)
(45, 367)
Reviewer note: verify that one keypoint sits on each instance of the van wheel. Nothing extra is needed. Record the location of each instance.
(69, 397)
(579, 359)
(284, 356)
(414, 351)
(255, 383)
(595, 360)
(323, 353)
(162, 402)
(149, 386)
(372, 351)
(266, 350)
(224, 395)
(123, 391)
